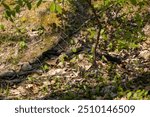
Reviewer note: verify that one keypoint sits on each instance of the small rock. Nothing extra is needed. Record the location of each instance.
(145, 54)
(81, 56)
(25, 66)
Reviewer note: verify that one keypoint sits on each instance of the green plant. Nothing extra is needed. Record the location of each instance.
(22, 45)
(45, 90)
(31, 79)
(137, 95)
(7, 91)
(45, 67)
(2, 27)
(55, 7)
(63, 57)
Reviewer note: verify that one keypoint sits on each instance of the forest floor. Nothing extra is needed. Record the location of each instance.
(39, 65)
